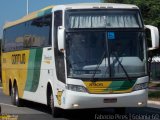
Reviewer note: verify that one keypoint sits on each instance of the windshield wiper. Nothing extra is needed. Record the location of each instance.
(117, 58)
(98, 65)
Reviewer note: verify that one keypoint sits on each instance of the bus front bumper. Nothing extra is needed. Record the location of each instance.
(79, 100)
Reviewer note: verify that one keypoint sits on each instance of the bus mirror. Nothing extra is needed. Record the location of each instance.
(154, 36)
(61, 38)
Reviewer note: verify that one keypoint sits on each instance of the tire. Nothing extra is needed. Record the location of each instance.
(121, 111)
(54, 111)
(15, 97)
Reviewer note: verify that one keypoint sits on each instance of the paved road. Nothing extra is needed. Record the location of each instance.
(36, 111)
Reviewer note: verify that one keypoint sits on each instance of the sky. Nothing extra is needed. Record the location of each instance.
(11, 10)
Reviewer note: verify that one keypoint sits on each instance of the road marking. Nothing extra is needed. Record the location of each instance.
(154, 102)
(7, 105)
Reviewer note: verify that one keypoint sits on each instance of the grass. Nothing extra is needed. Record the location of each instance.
(154, 95)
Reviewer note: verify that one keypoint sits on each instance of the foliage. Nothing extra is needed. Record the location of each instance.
(155, 95)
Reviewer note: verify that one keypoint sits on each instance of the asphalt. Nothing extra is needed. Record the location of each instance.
(36, 111)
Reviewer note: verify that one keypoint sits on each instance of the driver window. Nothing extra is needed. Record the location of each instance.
(59, 56)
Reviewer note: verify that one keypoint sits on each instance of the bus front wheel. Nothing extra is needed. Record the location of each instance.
(54, 111)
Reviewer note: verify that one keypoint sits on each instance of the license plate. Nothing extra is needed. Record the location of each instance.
(110, 100)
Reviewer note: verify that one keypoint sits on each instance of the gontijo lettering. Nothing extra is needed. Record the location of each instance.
(18, 59)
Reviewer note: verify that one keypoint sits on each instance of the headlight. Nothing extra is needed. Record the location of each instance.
(140, 86)
(76, 88)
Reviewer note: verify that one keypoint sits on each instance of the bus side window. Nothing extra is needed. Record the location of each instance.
(59, 56)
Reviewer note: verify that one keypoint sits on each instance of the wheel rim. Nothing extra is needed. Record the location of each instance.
(13, 95)
(16, 96)
(51, 102)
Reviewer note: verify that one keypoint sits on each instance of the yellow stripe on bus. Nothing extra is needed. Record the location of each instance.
(13, 68)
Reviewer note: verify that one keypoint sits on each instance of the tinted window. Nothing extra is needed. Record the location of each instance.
(59, 61)
(13, 37)
(38, 32)
(34, 33)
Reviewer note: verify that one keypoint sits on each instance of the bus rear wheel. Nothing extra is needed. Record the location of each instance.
(15, 97)
(54, 111)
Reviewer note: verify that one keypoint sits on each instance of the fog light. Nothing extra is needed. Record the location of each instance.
(75, 105)
(140, 103)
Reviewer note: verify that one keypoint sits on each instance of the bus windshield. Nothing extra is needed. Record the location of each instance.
(98, 47)
(93, 52)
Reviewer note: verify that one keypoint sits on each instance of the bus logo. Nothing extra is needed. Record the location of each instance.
(59, 95)
(93, 84)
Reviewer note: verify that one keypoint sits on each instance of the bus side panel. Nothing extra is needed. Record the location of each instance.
(32, 74)
(5, 82)
(40, 73)
(34, 67)
(14, 68)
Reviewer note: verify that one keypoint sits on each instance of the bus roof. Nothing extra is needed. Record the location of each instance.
(30, 16)
(101, 5)
(48, 10)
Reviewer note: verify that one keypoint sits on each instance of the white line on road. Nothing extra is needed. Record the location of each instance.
(154, 102)
(7, 105)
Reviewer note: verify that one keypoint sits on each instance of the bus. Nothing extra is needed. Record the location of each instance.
(78, 56)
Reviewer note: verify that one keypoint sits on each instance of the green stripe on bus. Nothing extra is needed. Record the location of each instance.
(34, 67)
(122, 85)
(30, 73)
(127, 85)
(37, 70)
(115, 85)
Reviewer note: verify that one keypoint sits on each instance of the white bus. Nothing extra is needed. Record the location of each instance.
(78, 56)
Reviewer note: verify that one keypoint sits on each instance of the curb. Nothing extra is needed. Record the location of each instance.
(153, 102)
